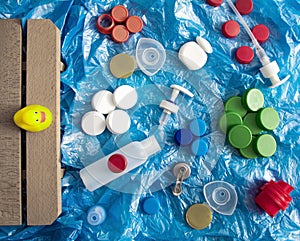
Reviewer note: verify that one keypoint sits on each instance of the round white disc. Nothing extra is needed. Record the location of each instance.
(125, 97)
(118, 122)
(103, 102)
(93, 123)
(204, 44)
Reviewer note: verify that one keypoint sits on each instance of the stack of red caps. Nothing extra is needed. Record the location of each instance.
(119, 24)
(274, 197)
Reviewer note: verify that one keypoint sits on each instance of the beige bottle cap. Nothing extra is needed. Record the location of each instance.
(122, 65)
(198, 216)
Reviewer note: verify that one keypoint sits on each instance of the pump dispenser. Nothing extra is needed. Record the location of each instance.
(169, 106)
(269, 69)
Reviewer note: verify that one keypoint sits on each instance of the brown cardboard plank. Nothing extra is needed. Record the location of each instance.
(10, 134)
(43, 148)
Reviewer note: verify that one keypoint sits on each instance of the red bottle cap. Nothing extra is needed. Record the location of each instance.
(134, 24)
(285, 187)
(231, 29)
(274, 197)
(117, 163)
(244, 6)
(214, 3)
(120, 34)
(244, 55)
(105, 24)
(261, 33)
(119, 14)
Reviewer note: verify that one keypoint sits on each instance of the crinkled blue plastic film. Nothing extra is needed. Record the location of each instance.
(86, 54)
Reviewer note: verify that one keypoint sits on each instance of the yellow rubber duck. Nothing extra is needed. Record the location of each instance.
(33, 118)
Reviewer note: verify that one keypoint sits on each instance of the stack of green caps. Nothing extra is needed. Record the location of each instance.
(245, 122)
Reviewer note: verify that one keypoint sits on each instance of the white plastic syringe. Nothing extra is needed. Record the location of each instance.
(270, 69)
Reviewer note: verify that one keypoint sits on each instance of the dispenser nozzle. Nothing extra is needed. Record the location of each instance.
(169, 106)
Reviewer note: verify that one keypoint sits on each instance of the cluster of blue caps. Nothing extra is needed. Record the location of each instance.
(191, 137)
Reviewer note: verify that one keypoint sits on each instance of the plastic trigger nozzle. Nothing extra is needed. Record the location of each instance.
(269, 69)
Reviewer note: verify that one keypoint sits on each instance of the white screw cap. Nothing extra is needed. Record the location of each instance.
(125, 97)
(103, 102)
(203, 43)
(118, 122)
(93, 123)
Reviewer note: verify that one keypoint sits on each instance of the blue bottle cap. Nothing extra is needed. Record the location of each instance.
(198, 127)
(199, 147)
(150, 205)
(96, 215)
(183, 137)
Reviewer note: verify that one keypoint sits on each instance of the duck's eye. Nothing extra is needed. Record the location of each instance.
(37, 120)
(35, 112)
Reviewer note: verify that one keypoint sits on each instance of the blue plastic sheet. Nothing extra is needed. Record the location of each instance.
(87, 53)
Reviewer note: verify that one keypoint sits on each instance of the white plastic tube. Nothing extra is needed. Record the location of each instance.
(136, 153)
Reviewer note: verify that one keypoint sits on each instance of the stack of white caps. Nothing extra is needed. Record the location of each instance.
(105, 103)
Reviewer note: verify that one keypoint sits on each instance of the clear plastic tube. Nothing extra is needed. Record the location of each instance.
(270, 69)
(261, 54)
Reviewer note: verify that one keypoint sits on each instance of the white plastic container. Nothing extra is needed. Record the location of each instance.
(194, 55)
(136, 153)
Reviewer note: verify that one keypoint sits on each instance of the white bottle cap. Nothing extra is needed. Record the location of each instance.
(118, 122)
(192, 56)
(125, 97)
(93, 123)
(103, 102)
(203, 43)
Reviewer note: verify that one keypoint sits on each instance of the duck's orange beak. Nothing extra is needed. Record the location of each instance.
(43, 116)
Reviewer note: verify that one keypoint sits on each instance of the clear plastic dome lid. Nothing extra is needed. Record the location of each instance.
(221, 197)
(150, 56)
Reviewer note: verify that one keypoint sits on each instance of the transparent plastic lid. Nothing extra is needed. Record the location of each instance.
(221, 197)
(150, 56)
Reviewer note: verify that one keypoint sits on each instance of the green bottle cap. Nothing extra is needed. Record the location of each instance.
(240, 136)
(268, 119)
(265, 145)
(234, 104)
(228, 120)
(253, 99)
(249, 152)
(250, 121)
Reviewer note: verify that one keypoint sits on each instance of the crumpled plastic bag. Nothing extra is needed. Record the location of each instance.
(87, 53)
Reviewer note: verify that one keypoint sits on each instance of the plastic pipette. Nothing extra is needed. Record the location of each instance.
(270, 69)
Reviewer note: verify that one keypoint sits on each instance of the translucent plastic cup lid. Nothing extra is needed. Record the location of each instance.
(221, 197)
(150, 56)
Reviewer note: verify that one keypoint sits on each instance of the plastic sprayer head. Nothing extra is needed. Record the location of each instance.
(271, 71)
